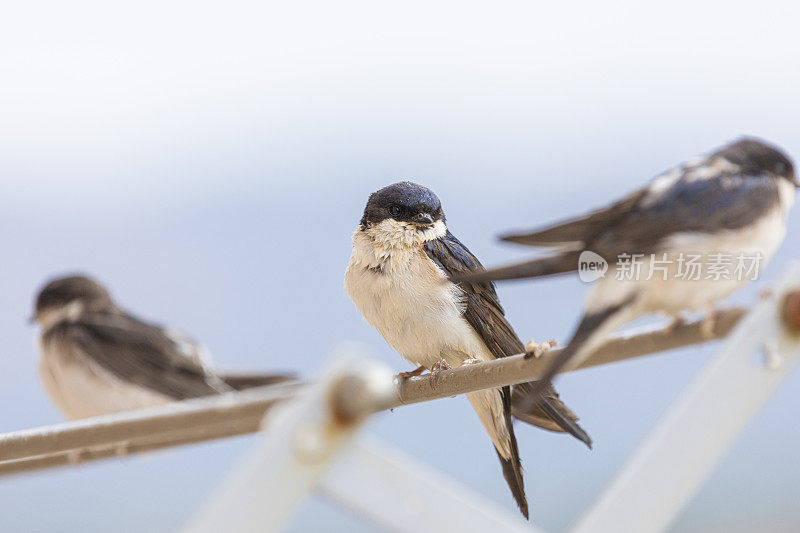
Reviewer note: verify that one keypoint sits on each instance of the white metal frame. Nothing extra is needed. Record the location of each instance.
(302, 439)
(690, 439)
(376, 481)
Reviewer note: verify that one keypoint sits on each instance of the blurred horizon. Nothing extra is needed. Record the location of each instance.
(210, 162)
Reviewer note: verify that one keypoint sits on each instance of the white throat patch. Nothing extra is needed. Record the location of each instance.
(66, 313)
(391, 234)
(787, 191)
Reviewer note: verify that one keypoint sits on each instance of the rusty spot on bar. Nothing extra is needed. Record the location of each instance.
(350, 397)
(791, 311)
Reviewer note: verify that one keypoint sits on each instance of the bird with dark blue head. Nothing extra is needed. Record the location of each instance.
(405, 202)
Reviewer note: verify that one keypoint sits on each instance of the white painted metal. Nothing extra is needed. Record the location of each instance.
(398, 493)
(682, 450)
(302, 438)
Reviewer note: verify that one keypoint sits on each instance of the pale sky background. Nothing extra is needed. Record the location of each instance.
(209, 161)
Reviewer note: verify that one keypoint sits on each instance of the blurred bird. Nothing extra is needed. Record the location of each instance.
(97, 359)
(397, 278)
(722, 208)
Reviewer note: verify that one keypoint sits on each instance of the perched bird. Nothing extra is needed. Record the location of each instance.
(97, 359)
(397, 277)
(721, 208)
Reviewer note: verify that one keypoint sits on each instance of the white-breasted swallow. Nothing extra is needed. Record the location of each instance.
(726, 208)
(96, 359)
(402, 256)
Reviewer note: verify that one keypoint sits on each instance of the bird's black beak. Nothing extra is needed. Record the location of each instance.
(31, 319)
(422, 219)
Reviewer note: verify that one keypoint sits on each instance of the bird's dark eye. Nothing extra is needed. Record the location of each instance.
(395, 210)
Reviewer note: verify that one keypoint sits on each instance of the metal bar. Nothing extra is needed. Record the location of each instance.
(303, 439)
(517, 369)
(129, 427)
(397, 493)
(690, 439)
(120, 451)
(241, 412)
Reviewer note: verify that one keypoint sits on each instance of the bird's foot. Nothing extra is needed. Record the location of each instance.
(412, 373)
(121, 450)
(438, 367)
(470, 361)
(75, 457)
(677, 321)
(535, 349)
(772, 359)
(709, 323)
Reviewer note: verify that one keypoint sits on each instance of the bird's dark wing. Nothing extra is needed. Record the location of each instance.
(482, 306)
(249, 381)
(642, 222)
(580, 229)
(487, 317)
(639, 222)
(725, 202)
(139, 353)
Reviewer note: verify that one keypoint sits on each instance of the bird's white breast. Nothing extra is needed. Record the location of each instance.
(675, 294)
(407, 298)
(80, 388)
